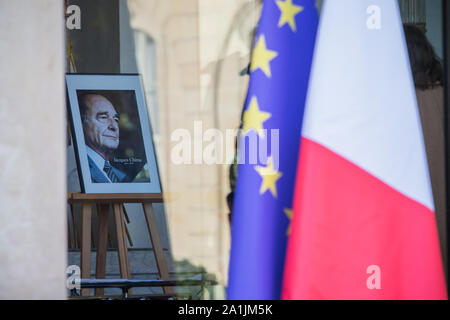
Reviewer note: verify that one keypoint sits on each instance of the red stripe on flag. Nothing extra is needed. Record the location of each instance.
(346, 220)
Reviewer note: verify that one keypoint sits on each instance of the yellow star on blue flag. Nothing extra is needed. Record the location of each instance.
(262, 56)
(269, 147)
(288, 13)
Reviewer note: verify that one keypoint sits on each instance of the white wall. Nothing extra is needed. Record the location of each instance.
(33, 243)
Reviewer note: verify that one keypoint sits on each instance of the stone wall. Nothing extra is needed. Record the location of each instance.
(33, 243)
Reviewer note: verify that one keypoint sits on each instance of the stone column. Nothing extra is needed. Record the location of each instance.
(33, 241)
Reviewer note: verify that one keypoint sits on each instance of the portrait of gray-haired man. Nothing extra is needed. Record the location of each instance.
(101, 133)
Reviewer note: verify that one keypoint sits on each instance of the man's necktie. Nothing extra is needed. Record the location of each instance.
(109, 172)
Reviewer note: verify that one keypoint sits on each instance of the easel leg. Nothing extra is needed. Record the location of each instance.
(157, 245)
(127, 219)
(86, 244)
(121, 245)
(69, 234)
(102, 244)
(76, 238)
(124, 239)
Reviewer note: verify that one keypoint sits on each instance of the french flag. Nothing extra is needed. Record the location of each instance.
(363, 225)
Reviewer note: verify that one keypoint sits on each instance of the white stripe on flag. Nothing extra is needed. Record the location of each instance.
(361, 101)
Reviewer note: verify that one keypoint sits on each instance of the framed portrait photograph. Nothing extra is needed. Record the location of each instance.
(112, 134)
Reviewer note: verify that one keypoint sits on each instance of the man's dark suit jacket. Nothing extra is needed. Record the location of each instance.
(98, 175)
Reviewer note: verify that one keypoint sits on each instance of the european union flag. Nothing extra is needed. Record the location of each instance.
(280, 68)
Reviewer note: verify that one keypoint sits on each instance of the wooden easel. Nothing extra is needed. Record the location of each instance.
(117, 201)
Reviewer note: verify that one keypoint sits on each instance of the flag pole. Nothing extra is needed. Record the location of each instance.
(446, 38)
